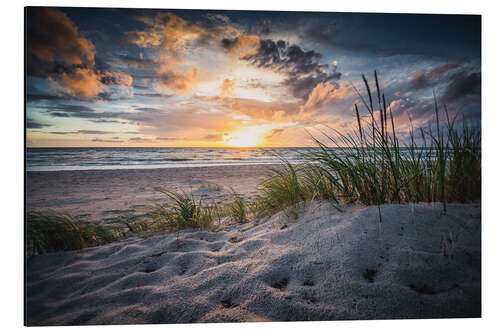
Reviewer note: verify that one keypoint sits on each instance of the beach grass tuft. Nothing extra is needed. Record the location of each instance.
(51, 232)
(281, 190)
(181, 211)
(237, 209)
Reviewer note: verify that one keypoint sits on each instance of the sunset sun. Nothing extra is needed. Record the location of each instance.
(246, 138)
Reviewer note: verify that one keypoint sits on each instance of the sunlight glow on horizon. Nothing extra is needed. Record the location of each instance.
(243, 139)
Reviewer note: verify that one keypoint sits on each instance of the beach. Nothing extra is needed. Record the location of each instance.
(317, 261)
(106, 195)
(327, 264)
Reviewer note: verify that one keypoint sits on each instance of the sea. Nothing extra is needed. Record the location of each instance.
(59, 159)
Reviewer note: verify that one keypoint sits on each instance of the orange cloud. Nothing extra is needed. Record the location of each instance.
(172, 33)
(80, 83)
(227, 88)
(179, 82)
(324, 94)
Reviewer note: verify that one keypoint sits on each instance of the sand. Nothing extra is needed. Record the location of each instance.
(325, 265)
(106, 195)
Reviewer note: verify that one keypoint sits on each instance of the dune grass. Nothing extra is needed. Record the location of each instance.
(51, 232)
(281, 190)
(373, 166)
(181, 211)
(237, 209)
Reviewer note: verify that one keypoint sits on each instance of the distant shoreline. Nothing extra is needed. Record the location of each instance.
(150, 166)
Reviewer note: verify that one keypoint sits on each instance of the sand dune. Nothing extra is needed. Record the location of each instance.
(326, 265)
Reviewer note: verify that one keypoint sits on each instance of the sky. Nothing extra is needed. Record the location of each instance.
(108, 77)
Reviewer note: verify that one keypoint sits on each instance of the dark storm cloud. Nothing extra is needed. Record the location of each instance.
(462, 85)
(53, 41)
(30, 123)
(281, 56)
(301, 67)
(443, 36)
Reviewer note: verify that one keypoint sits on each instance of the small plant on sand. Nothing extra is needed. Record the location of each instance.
(237, 209)
(181, 211)
(282, 190)
(51, 232)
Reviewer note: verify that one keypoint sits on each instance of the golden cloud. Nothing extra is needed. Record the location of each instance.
(324, 94)
(179, 82)
(79, 83)
(227, 88)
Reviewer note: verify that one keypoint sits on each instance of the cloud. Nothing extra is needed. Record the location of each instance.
(462, 85)
(274, 133)
(139, 139)
(174, 34)
(213, 137)
(324, 94)
(422, 80)
(30, 123)
(154, 95)
(166, 139)
(263, 28)
(442, 69)
(419, 81)
(53, 38)
(384, 35)
(107, 141)
(81, 82)
(116, 78)
(227, 88)
(57, 52)
(179, 82)
(173, 38)
(94, 132)
(261, 110)
(301, 68)
(242, 46)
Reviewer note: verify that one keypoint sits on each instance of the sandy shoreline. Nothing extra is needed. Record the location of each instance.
(104, 195)
(326, 265)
